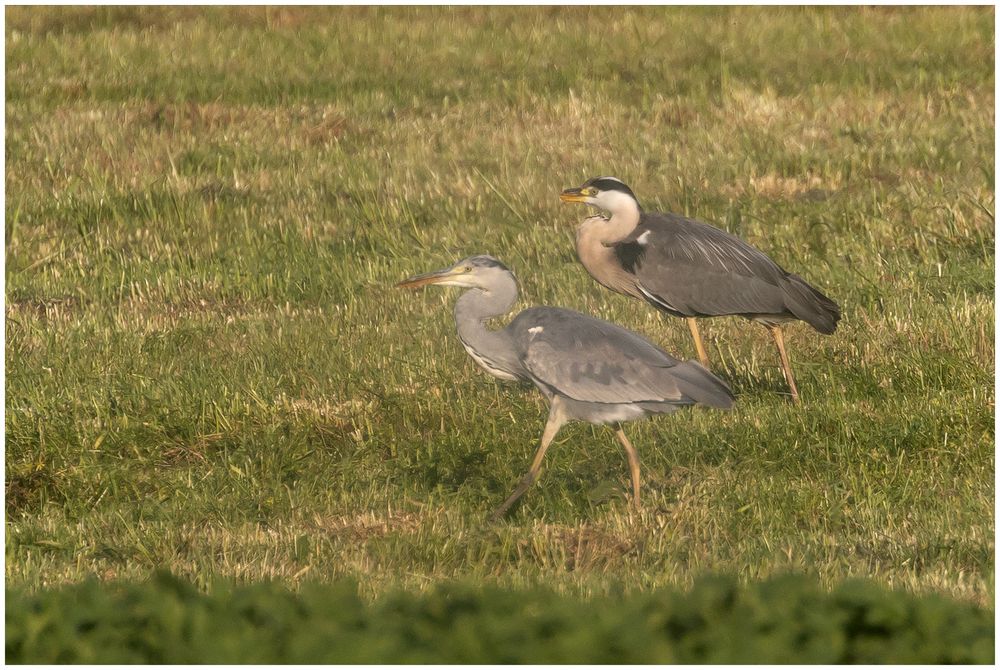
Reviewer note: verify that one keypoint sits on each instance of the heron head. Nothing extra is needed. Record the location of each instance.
(482, 272)
(608, 193)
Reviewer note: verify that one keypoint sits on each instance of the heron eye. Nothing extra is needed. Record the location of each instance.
(589, 191)
(467, 268)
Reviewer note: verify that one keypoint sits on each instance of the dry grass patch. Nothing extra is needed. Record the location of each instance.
(367, 525)
(588, 547)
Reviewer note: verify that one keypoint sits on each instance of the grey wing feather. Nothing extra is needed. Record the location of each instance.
(691, 268)
(592, 360)
(704, 245)
(807, 303)
(695, 381)
(699, 270)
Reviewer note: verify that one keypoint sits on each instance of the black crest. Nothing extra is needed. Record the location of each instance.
(611, 184)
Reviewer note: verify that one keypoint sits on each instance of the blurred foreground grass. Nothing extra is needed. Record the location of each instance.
(784, 619)
(207, 369)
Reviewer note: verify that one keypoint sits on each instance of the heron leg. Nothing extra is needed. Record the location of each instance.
(779, 339)
(557, 419)
(698, 344)
(633, 463)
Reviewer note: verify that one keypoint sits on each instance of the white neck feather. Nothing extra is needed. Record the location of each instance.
(621, 206)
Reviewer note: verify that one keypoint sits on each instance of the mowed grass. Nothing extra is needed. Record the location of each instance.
(208, 369)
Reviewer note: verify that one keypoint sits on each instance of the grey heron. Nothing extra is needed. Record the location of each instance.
(588, 369)
(691, 269)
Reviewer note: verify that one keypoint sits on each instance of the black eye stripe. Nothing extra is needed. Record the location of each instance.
(609, 184)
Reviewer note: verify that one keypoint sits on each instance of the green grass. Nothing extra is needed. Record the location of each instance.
(785, 619)
(208, 370)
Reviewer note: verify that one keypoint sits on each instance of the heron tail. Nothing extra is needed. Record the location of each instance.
(697, 383)
(808, 304)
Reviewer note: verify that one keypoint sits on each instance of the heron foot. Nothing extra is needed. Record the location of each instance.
(523, 486)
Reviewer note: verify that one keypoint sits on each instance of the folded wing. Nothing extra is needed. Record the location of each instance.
(592, 360)
(690, 268)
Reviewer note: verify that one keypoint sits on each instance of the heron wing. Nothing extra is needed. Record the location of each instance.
(592, 360)
(694, 269)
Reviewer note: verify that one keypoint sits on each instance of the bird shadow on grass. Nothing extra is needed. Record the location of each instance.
(746, 383)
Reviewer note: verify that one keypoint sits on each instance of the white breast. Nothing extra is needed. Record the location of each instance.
(485, 365)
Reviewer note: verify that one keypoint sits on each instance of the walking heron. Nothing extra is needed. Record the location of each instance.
(691, 269)
(588, 369)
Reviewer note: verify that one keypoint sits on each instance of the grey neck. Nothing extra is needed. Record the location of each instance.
(493, 350)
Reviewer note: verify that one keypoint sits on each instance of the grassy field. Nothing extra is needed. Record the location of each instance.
(208, 370)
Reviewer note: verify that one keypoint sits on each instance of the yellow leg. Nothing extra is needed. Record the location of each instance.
(786, 366)
(698, 345)
(552, 426)
(633, 463)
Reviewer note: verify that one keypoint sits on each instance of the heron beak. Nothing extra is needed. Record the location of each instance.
(417, 281)
(572, 195)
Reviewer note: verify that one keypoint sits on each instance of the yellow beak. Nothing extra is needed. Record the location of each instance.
(572, 195)
(417, 281)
